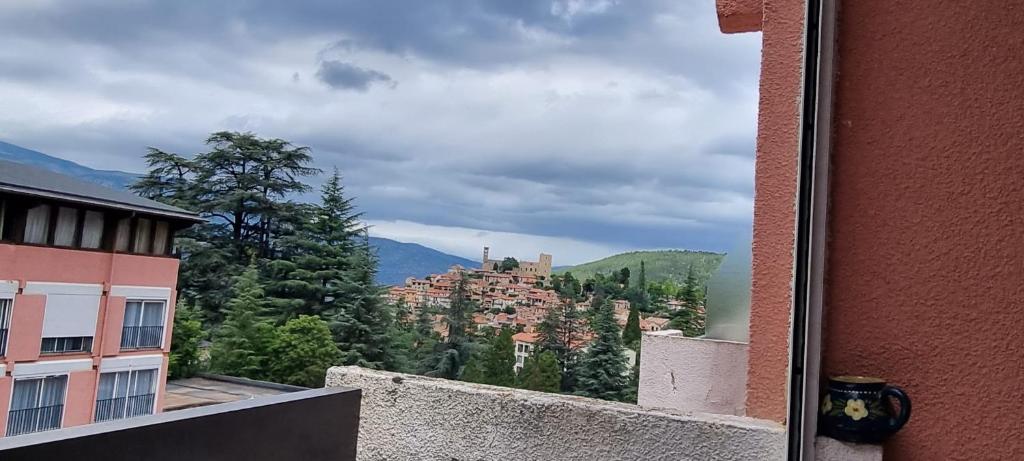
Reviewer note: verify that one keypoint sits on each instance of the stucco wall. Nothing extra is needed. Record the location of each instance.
(926, 260)
(690, 374)
(407, 417)
(774, 206)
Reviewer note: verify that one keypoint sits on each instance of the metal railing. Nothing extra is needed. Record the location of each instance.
(34, 419)
(124, 407)
(149, 337)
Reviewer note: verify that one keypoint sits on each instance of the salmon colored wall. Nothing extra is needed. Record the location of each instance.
(774, 199)
(81, 398)
(26, 328)
(926, 256)
(42, 264)
(5, 398)
(112, 324)
(162, 391)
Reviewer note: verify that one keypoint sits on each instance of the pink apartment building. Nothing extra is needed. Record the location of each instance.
(87, 291)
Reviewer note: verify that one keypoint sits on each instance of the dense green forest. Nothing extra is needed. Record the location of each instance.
(662, 265)
(285, 289)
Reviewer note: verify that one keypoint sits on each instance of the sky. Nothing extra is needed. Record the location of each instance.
(579, 128)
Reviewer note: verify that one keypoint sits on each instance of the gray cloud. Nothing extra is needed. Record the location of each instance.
(348, 76)
(627, 123)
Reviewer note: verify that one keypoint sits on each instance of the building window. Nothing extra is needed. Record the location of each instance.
(67, 222)
(66, 345)
(143, 236)
(125, 394)
(5, 324)
(37, 224)
(143, 325)
(92, 230)
(123, 234)
(36, 405)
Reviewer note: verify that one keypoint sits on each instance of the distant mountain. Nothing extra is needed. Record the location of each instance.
(399, 260)
(109, 178)
(660, 265)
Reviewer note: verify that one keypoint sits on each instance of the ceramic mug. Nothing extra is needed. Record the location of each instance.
(857, 409)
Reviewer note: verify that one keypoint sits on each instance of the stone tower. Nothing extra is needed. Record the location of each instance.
(483, 264)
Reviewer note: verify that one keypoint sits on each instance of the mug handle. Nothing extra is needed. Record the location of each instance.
(897, 423)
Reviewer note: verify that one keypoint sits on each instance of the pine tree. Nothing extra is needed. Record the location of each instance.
(602, 372)
(188, 332)
(241, 346)
(691, 293)
(499, 361)
(317, 258)
(541, 372)
(449, 357)
(303, 351)
(631, 334)
(358, 317)
(560, 333)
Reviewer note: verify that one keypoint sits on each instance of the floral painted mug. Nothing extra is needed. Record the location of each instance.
(857, 409)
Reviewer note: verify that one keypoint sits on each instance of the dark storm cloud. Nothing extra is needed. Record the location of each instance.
(347, 76)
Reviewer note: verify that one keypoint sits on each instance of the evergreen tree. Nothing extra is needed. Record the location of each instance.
(602, 372)
(541, 372)
(188, 333)
(241, 346)
(242, 185)
(631, 334)
(358, 317)
(451, 356)
(499, 361)
(474, 372)
(561, 333)
(691, 293)
(318, 257)
(303, 351)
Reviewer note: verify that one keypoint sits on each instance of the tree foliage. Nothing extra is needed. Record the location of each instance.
(185, 360)
(242, 344)
(602, 372)
(303, 350)
(541, 372)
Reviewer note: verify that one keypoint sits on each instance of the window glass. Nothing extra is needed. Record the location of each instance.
(37, 224)
(161, 235)
(121, 239)
(92, 230)
(67, 221)
(143, 236)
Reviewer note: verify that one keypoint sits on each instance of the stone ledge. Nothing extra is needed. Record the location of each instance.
(407, 417)
(826, 449)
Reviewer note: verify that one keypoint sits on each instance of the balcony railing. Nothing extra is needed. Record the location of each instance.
(148, 337)
(34, 419)
(3, 342)
(124, 407)
(298, 426)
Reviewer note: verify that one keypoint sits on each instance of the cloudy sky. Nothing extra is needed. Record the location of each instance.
(576, 127)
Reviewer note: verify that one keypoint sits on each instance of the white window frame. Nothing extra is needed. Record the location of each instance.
(7, 293)
(42, 376)
(131, 369)
(142, 309)
(140, 293)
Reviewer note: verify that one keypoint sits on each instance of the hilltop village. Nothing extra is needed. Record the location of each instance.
(509, 294)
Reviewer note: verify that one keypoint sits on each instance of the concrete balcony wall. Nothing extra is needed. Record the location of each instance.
(407, 417)
(692, 374)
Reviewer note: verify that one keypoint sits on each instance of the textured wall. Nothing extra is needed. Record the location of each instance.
(774, 207)
(926, 260)
(407, 417)
(690, 374)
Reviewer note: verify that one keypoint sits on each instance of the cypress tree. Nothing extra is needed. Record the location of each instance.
(602, 372)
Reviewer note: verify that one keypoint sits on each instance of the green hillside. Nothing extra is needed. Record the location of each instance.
(661, 265)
